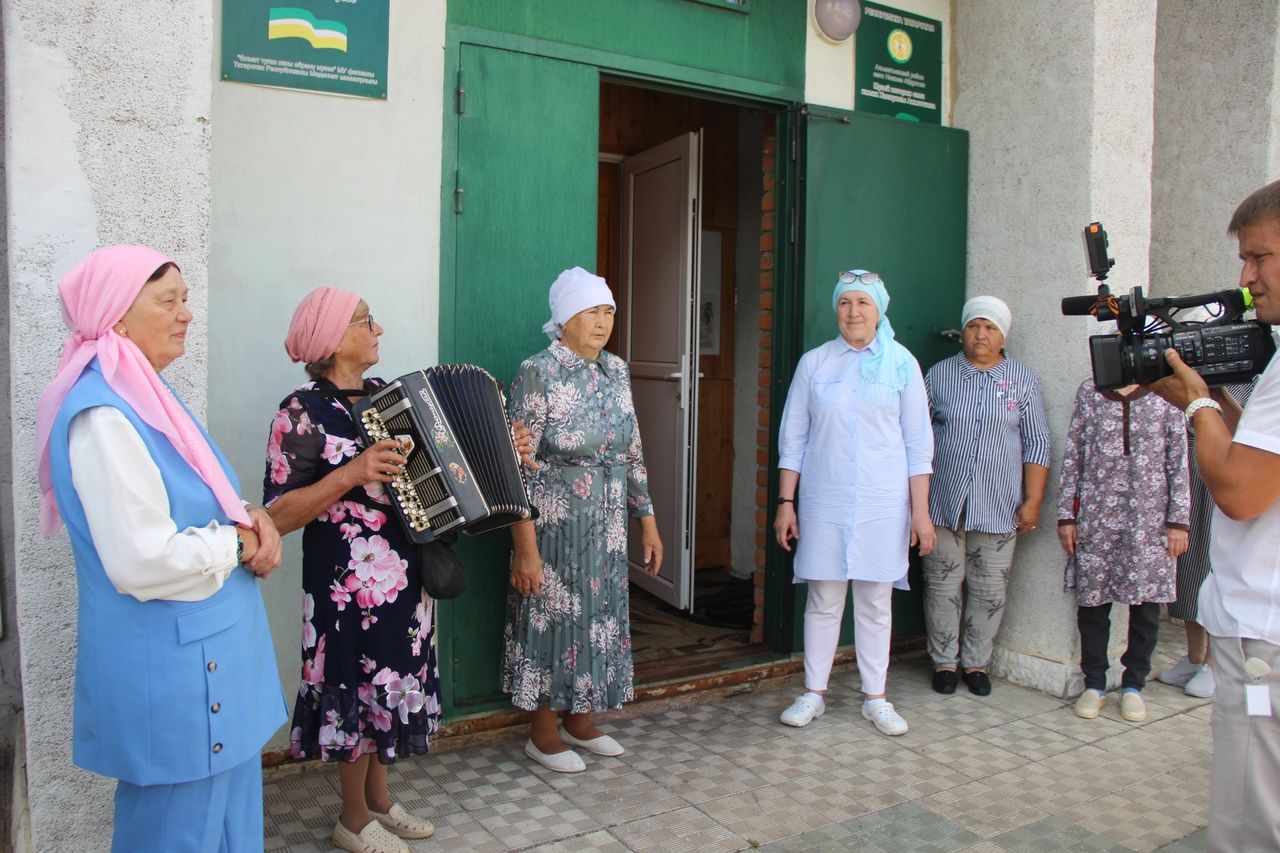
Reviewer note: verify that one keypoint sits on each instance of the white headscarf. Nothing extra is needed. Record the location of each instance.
(988, 308)
(574, 290)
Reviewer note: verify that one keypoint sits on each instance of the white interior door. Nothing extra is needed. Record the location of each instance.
(659, 287)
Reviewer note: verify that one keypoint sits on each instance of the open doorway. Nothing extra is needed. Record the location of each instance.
(684, 235)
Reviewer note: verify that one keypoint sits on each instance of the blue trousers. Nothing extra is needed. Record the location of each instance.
(221, 814)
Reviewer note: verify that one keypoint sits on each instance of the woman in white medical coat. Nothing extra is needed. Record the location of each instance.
(855, 454)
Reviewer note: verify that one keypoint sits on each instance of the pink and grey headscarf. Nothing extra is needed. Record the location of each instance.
(319, 322)
(96, 294)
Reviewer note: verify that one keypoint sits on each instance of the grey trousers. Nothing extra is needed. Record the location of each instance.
(979, 563)
(1244, 798)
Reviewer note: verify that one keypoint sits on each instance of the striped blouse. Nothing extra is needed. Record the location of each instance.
(986, 425)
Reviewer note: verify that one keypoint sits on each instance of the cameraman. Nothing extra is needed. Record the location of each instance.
(1238, 454)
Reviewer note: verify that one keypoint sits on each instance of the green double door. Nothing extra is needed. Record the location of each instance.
(887, 195)
(520, 205)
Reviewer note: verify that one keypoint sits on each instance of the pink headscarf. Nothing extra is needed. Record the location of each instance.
(96, 294)
(319, 323)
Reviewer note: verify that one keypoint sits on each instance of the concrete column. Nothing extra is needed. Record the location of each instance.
(106, 140)
(1057, 100)
(1217, 126)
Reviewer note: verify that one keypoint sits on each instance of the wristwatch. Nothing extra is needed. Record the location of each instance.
(1198, 404)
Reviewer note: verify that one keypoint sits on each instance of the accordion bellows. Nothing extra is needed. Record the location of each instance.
(463, 472)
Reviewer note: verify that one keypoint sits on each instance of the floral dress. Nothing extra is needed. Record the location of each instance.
(1124, 481)
(569, 646)
(370, 682)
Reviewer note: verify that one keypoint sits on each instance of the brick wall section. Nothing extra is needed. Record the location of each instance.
(764, 517)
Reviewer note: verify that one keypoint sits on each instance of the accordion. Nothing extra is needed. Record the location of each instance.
(463, 472)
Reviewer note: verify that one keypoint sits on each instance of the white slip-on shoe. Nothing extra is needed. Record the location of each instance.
(1132, 708)
(374, 838)
(1180, 673)
(404, 823)
(887, 720)
(603, 745)
(1203, 684)
(561, 762)
(803, 711)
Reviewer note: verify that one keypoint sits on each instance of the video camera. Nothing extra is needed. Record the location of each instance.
(1225, 349)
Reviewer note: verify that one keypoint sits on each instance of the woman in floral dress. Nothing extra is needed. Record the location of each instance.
(567, 638)
(1124, 506)
(370, 684)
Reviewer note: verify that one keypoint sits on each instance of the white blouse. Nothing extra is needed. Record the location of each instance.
(127, 507)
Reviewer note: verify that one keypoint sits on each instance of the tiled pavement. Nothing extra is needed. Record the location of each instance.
(1012, 771)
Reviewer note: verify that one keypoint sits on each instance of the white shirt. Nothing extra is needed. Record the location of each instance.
(1241, 595)
(127, 507)
(855, 444)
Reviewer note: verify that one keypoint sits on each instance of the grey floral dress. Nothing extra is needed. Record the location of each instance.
(569, 646)
(1124, 481)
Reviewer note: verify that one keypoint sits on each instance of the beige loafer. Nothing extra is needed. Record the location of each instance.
(1132, 708)
(1090, 704)
(603, 745)
(404, 823)
(374, 838)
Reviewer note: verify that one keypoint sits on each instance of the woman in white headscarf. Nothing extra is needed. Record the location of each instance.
(567, 649)
(856, 441)
(990, 466)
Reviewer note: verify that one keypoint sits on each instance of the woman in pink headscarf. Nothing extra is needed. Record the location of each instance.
(370, 683)
(176, 687)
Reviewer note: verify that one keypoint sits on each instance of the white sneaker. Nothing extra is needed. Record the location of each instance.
(1180, 673)
(1202, 685)
(887, 720)
(803, 711)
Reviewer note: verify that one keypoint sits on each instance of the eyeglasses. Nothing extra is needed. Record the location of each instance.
(855, 276)
(367, 319)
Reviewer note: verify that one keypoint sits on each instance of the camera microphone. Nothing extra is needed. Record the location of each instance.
(1078, 306)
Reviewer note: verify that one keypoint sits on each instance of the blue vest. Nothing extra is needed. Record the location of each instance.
(166, 691)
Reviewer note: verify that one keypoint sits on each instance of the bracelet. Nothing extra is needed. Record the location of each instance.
(1198, 404)
(239, 548)
(782, 501)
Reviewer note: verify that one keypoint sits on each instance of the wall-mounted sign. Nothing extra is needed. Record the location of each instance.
(337, 46)
(899, 64)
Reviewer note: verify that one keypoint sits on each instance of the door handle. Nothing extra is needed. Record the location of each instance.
(678, 375)
(952, 335)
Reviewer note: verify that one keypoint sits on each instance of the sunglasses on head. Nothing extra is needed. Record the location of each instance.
(853, 277)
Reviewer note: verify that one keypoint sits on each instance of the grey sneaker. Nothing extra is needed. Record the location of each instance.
(1180, 673)
(1202, 685)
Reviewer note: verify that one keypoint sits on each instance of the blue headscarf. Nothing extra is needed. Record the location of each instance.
(892, 364)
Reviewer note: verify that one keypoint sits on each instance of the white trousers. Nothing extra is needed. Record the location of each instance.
(872, 622)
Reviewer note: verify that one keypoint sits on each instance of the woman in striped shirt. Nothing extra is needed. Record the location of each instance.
(990, 466)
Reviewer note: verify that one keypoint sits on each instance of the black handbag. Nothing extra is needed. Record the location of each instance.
(440, 568)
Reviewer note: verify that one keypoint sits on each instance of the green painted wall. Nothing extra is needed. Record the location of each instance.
(766, 42)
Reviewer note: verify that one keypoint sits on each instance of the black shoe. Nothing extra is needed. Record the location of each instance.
(979, 683)
(944, 681)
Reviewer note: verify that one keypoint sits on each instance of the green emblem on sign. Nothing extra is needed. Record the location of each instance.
(284, 22)
(899, 46)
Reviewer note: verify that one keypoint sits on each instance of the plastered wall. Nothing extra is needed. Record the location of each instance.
(312, 189)
(106, 138)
